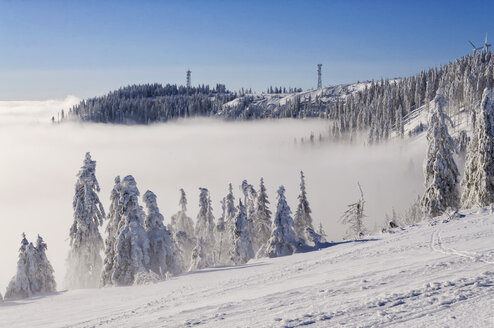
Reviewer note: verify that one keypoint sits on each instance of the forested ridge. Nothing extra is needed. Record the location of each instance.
(377, 106)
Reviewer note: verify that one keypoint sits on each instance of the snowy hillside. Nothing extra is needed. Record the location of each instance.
(436, 274)
(271, 103)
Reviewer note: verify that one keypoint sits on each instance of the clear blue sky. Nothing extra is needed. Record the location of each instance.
(50, 49)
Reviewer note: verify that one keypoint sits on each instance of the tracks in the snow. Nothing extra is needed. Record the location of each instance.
(436, 244)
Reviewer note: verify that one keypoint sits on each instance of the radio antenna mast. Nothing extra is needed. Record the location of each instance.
(319, 79)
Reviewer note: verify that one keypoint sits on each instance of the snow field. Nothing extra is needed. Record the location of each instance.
(435, 274)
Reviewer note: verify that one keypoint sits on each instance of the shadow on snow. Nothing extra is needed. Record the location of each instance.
(318, 246)
(302, 249)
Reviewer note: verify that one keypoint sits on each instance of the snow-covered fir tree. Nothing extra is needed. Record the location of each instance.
(353, 216)
(205, 220)
(185, 246)
(84, 263)
(478, 180)
(34, 272)
(132, 243)
(44, 271)
(114, 216)
(321, 232)
(399, 123)
(262, 219)
(225, 228)
(250, 196)
(201, 257)
(230, 209)
(180, 221)
(220, 231)
(441, 173)
(163, 253)
(462, 141)
(302, 218)
(23, 283)
(283, 239)
(242, 250)
(203, 253)
(182, 228)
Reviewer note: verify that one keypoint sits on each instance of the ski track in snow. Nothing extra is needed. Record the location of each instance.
(439, 273)
(437, 245)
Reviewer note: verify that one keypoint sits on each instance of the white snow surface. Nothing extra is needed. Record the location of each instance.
(327, 94)
(439, 273)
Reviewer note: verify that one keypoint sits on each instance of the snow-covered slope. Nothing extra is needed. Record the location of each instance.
(436, 274)
(269, 104)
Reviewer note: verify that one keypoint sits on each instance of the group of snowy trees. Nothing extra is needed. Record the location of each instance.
(278, 90)
(380, 108)
(384, 107)
(139, 248)
(246, 230)
(34, 272)
(143, 104)
(441, 172)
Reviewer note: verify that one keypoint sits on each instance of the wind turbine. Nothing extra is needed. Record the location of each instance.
(474, 47)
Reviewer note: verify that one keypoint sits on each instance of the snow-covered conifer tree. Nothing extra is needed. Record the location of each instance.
(303, 219)
(182, 229)
(45, 280)
(114, 216)
(283, 239)
(185, 246)
(250, 196)
(478, 181)
(441, 173)
(462, 141)
(163, 253)
(321, 232)
(200, 258)
(220, 230)
(353, 217)
(84, 262)
(225, 228)
(399, 124)
(230, 209)
(203, 253)
(132, 242)
(180, 221)
(372, 134)
(242, 250)
(21, 285)
(205, 219)
(262, 219)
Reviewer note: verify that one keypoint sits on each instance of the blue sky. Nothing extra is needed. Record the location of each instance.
(50, 49)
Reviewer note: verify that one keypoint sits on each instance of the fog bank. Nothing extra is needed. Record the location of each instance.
(40, 161)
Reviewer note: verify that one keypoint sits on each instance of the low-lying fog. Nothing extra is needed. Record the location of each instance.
(40, 160)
